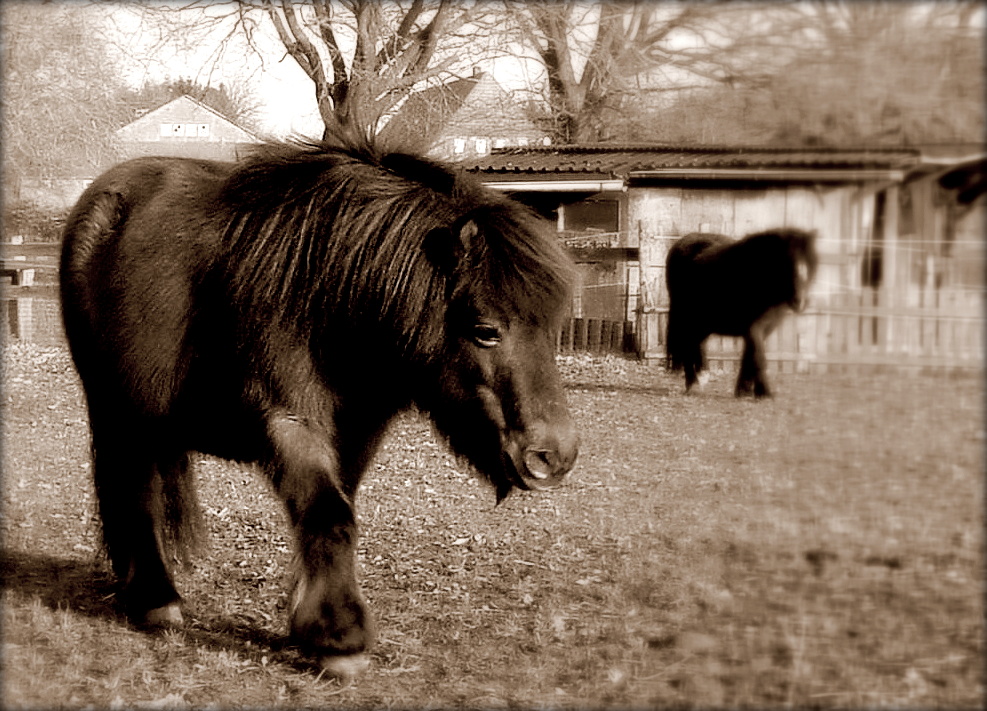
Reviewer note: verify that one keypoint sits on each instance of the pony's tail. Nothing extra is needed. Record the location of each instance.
(92, 221)
(673, 343)
(676, 271)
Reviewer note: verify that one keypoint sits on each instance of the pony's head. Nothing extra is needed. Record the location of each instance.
(494, 392)
(450, 295)
(804, 262)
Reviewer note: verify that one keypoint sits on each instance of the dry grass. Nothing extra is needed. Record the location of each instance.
(823, 549)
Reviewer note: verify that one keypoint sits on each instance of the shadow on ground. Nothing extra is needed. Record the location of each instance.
(87, 588)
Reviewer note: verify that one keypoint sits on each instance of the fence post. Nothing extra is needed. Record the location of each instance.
(580, 328)
(889, 290)
(21, 317)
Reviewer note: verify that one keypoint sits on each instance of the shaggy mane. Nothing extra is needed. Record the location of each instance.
(333, 233)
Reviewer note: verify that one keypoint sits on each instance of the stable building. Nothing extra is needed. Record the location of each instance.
(900, 237)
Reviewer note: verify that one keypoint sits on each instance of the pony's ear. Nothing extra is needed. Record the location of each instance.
(446, 246)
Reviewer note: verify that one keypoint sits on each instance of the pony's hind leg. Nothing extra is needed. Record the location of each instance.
(694, 365)
(130, 492)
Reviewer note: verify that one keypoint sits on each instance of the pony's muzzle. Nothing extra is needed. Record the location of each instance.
(547, 463)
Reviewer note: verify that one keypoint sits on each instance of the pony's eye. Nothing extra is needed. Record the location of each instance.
(486, 335)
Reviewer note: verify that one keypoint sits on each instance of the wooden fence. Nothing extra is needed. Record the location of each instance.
(595, 335)
(30, 309)
(846, 335)
(31, 319)
(836, 338)
(844, 331)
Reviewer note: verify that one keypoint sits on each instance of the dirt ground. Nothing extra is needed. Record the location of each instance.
(821, 549)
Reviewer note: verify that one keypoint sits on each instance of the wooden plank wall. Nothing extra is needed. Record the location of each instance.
(30, 310)
(900, 324)
(594, 335)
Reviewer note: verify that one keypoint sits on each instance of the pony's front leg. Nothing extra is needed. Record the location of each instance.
(753, 364)
(329, 618)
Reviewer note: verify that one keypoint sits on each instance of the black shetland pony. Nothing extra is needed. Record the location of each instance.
(734, 288)
(282, 311)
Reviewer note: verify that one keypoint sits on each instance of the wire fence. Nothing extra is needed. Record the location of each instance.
(927, 313)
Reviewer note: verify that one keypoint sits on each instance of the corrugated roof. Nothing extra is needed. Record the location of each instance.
(621, 161)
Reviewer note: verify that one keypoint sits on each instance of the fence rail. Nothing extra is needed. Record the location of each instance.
(21, 261)
(815, 341)
(844, 336)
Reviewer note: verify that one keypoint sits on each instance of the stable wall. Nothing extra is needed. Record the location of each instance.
(917, 315)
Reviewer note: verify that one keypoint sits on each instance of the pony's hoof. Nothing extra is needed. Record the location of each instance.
(169, 615)
(344, 667)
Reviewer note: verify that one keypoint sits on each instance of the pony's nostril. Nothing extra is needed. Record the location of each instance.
(540, 463)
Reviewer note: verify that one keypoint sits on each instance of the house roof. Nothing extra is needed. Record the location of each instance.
(473, 106)
(644, 162)
(202, 150)
(426, 112)
(190, 104)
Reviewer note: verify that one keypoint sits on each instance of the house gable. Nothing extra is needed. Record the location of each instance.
(185, 127)
(185, 118)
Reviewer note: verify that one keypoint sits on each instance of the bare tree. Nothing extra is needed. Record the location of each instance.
(824, 72)
(59, 88)
(885, 72)
(876, 73)
(363, 56)
(603, 58)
